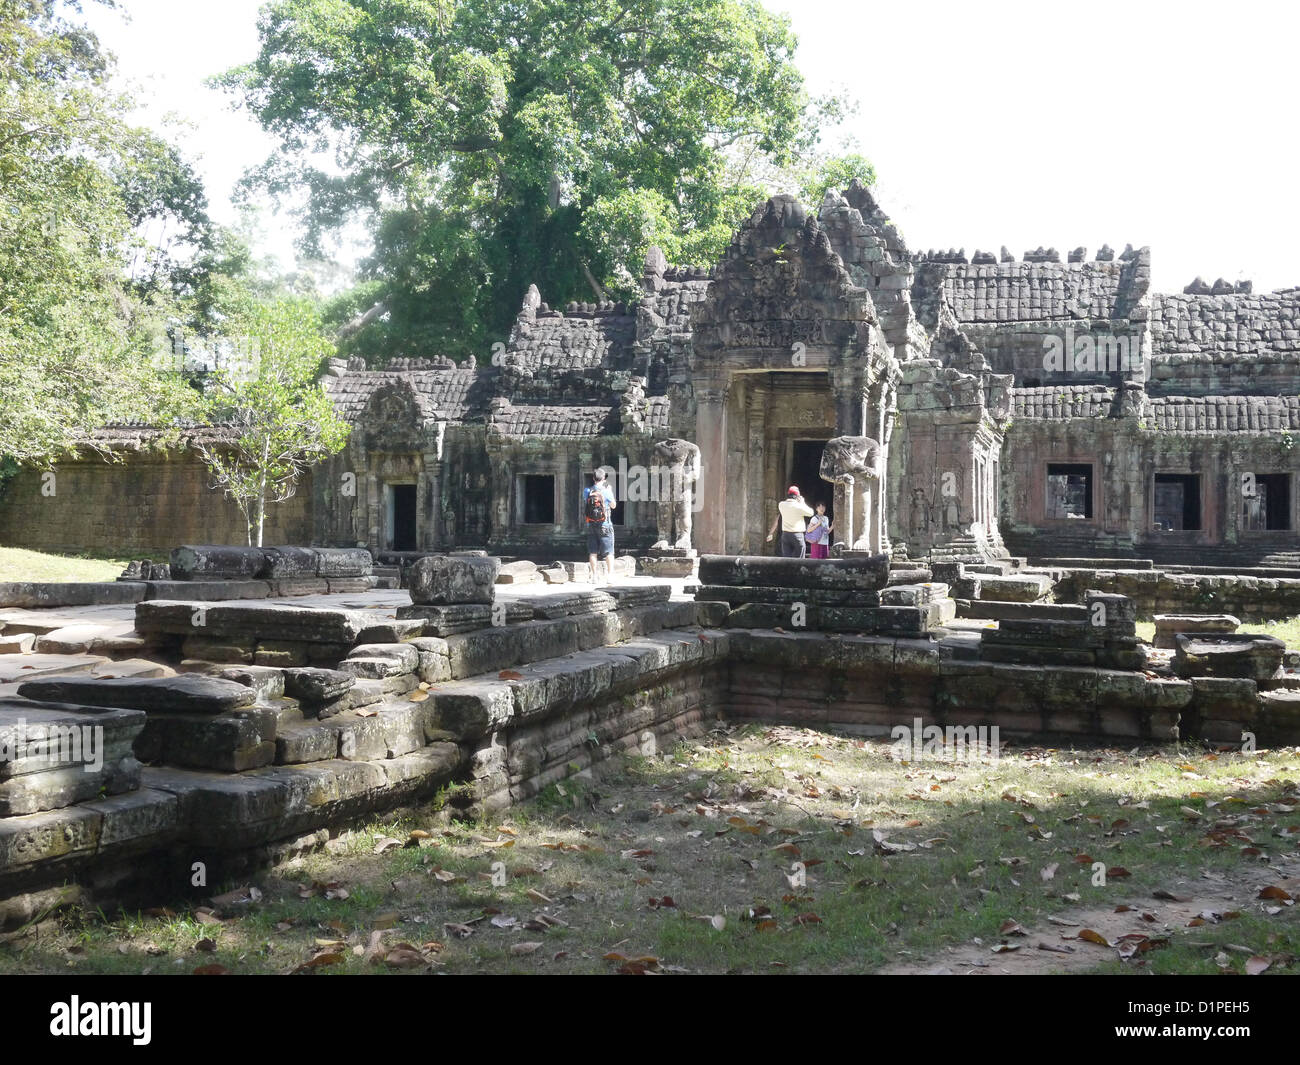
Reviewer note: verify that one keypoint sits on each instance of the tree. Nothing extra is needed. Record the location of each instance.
(278, 421)
(494, 144)
(76, 336)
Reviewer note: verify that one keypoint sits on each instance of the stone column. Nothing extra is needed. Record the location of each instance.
(711, 432)
(430, 503)
(755, 509)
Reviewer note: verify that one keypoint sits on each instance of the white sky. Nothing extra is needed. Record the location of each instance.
(1016, 123)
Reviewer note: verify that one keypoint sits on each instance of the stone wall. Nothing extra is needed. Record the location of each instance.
(1157, 592)
(1125, 455)
(143, 504)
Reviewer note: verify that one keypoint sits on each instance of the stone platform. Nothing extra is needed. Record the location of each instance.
(241, 757)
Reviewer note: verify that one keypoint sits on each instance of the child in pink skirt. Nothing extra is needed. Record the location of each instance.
(818, 534)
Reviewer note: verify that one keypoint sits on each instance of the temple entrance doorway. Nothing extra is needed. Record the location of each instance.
(805, 471)
(402, 517)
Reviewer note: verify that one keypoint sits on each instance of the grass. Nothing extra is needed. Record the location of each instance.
(18, 564)
(769, 849)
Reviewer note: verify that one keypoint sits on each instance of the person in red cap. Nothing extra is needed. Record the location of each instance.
(793, 513)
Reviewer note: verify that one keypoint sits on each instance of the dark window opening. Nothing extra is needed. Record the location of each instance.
(805, 471)
(1177, 502)
(1069, 491)
(1270, 507)
(618, 516)
(539, 499)
(402, 533)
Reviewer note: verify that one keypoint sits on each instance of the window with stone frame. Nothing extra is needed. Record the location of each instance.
(1176, 502)
(1269, 508)
(1069, 491)
(537, 498)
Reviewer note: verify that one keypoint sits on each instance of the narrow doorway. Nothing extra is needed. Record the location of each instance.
(805, 471)
(401, 517)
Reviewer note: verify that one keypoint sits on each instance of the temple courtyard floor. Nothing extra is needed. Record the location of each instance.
(772, 849)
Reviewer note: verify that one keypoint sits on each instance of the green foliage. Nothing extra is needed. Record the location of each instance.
(76, 182)
(280, 419)
(833, 173)
(498, 144)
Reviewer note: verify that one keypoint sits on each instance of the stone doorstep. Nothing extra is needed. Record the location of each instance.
(868, 574)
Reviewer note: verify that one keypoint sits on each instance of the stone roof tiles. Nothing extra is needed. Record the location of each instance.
(552, 420)
(1062, 402)
(1239, 323)
(457, 395)
(1226, 414)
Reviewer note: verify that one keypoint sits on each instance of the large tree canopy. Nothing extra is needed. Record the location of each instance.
(76, 183)
(494, 143)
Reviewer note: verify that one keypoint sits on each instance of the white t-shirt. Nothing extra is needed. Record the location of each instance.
(793, 513)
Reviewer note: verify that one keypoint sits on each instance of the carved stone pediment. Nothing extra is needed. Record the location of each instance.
(781, 292)
(395, 418)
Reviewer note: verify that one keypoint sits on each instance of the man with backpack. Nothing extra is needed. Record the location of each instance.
(598, 517)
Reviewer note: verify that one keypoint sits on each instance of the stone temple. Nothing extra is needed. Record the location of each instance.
(990, 434)
(993, 408)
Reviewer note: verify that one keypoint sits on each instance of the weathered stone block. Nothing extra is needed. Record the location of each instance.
(449, 620)
(343, 562)
(270, 622)
(54, 756)
(913, 594)
(1170, 625)
(230, 742)
(188, 693)
(868, 573)
(441, 580)
(520, 572)
(1228, 655)
(468, 709)
(288, 563)
(266, 682)
(312, 685)
(281, 653)
(216, 562)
